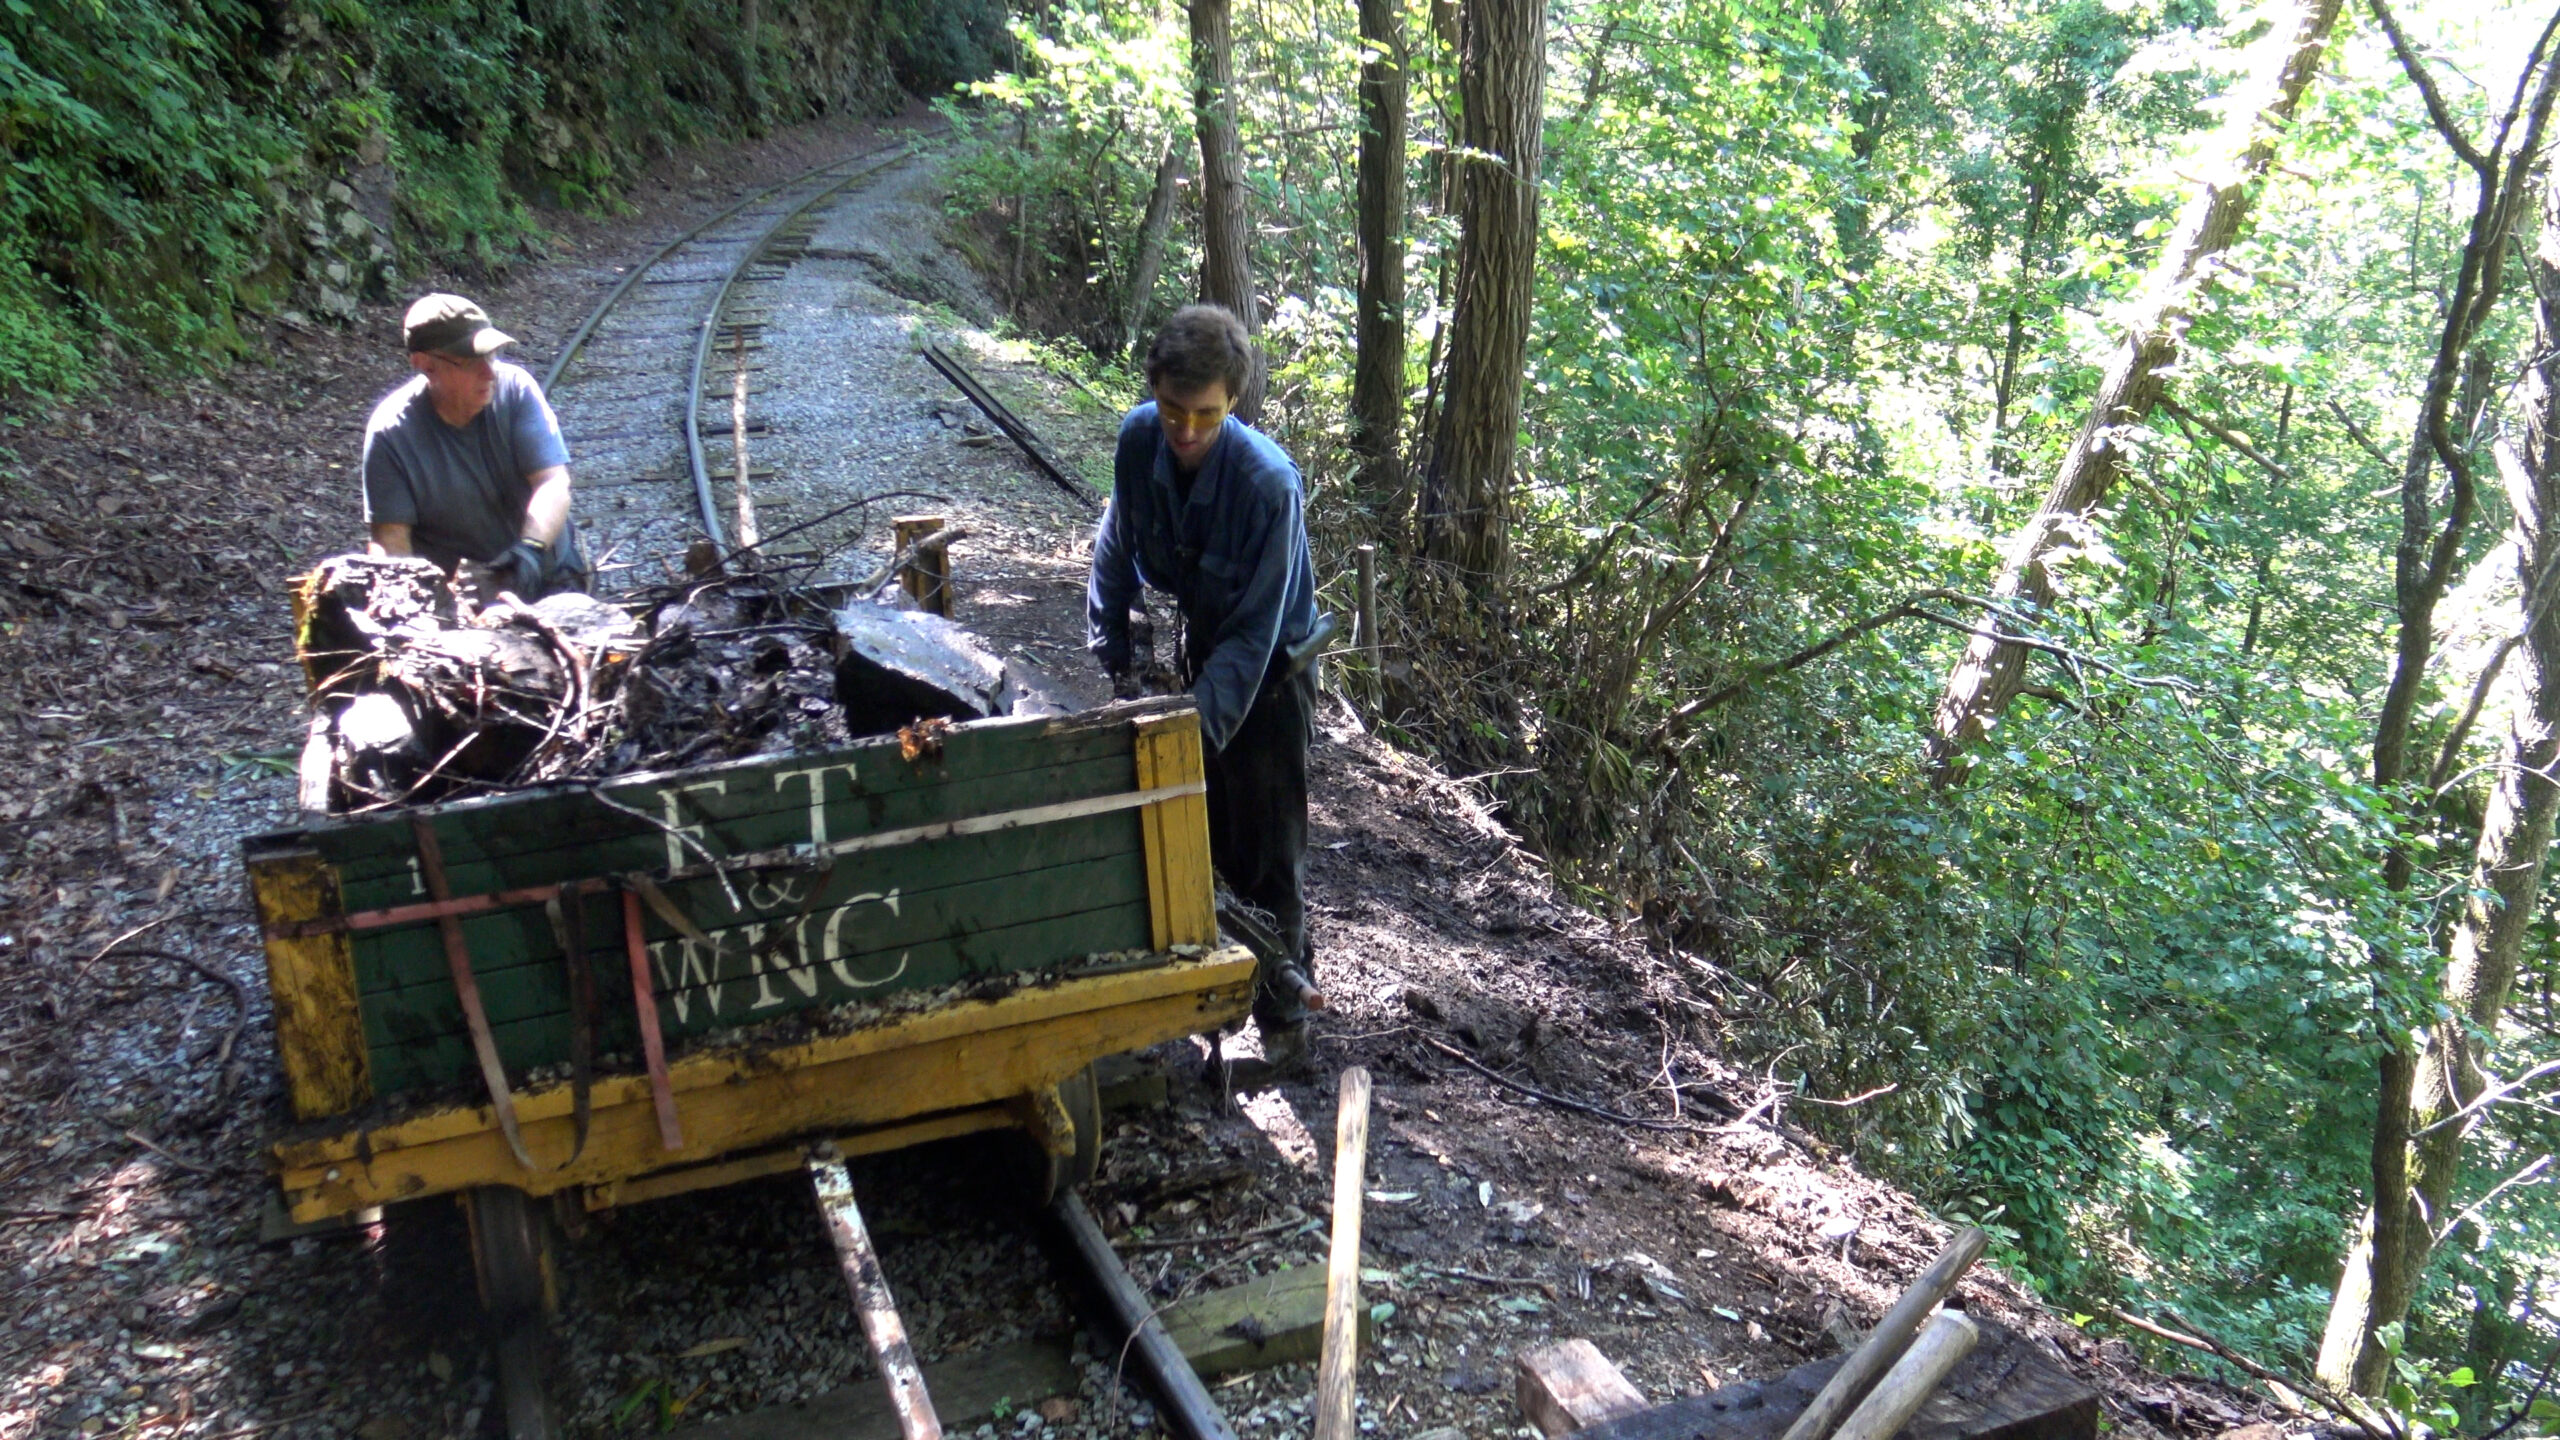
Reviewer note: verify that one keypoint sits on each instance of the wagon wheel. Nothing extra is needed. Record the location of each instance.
(511, 1258)
(1062, 1132)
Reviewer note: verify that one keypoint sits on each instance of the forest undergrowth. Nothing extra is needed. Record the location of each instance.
(1819, 306)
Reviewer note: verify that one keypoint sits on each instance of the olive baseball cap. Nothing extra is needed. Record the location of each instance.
(451, 325)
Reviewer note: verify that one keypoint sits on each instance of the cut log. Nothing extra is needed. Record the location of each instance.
(927, 575)
(1571, 1386)
(2007, 1389)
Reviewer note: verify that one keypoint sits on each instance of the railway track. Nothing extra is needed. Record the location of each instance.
(648, 389)
(651, 457)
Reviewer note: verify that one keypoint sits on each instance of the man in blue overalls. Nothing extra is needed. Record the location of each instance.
(1207, 509)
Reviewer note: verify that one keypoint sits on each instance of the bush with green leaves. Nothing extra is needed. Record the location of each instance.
(167, 156)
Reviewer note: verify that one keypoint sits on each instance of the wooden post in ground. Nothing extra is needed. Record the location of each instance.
(748, 533)
(927, 577)
(1366, 558)
(1949, 1337)
(1868, 1363)
(1338, 1372)
(881, 1328)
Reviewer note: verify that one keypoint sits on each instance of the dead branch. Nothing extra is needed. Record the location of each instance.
(907, 555)
(2282, 1389)
(1563, 1102)
(1806, 656)
(2363, 441)
(165, 1153)
(2228, 437)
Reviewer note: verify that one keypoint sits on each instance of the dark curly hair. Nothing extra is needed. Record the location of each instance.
(1202, 343)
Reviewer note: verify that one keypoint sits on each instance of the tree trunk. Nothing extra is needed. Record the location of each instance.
(2506, 869)
(2395, 1239)
(1226, 261)
(1987, 678)
(2506, 875)
(1377, 381)
(750, 64)
(1150, 257)
(1502, 66)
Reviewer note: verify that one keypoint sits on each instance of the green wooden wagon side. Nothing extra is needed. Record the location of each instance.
(663, 982)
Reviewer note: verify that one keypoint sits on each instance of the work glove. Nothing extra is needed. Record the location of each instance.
(519, 568)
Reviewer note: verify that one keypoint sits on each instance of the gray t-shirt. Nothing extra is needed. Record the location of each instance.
(460, 489)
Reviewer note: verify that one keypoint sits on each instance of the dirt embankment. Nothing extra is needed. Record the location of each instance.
(152, 714)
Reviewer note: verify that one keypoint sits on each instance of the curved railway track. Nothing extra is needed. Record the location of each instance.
(628, 383)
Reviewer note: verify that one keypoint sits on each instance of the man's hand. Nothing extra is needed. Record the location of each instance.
(519, 568)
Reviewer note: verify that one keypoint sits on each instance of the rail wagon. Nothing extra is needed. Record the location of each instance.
(622, 990)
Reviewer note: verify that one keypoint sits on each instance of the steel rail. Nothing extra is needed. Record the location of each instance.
(587, 327)
(710, 326)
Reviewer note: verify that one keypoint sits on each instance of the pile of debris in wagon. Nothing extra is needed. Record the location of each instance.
(421, 695)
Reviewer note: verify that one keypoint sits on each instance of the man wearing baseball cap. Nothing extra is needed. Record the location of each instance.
(465, 461)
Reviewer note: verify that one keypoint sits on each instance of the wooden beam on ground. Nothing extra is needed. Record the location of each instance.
(1019, 433)
(2007, 1389)
(882, 1330)
(1189, 1412)
(1571, 1386)
(1274, 1319)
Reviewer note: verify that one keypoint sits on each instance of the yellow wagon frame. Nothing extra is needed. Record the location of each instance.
(959, 1068)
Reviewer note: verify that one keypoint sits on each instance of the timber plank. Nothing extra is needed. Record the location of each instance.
(319, 1036)
(1180, 890)
(2007, 1389)
(581, 838)
(446, 1058)
(1269, 1320)
(946, 1058)
(866, 786)
(692, 985)
(391, 962)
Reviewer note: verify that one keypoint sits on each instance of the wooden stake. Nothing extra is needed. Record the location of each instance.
(1900, 1394)
(1338, 1372)
(1892, 1335)
(927, 575)
(1366, 558)
(747, 532)
(881, 1328)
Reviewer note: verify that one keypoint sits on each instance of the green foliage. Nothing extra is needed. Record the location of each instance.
(936, 47)
(1064, 150)
(138, 180)
(1822, 298)
(172, 161)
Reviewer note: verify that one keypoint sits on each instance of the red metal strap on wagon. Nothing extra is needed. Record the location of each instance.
(644, 998)
(457, 955)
